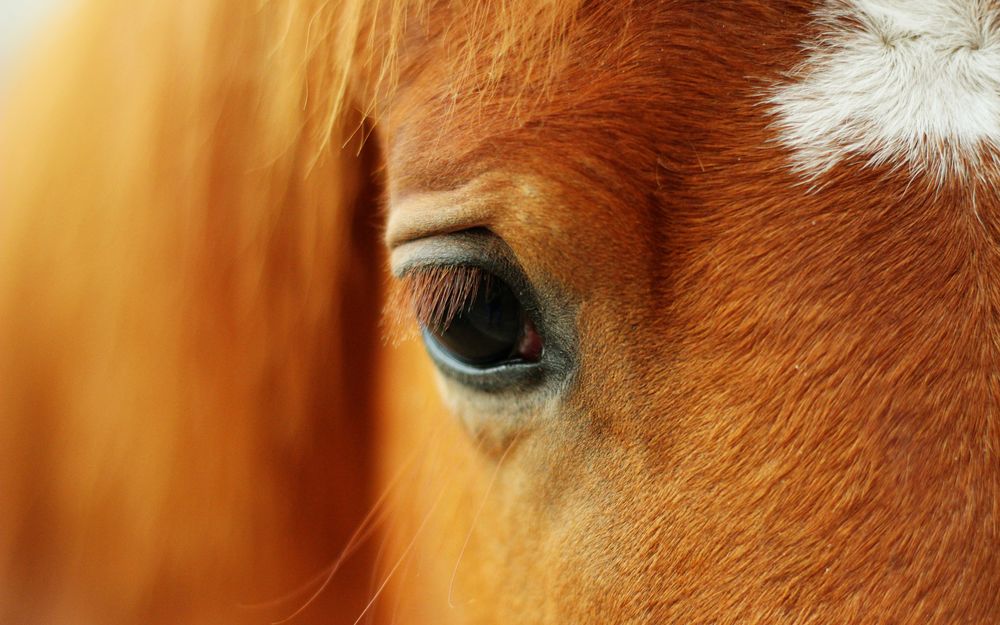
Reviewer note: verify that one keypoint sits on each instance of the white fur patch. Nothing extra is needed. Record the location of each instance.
(899, 82)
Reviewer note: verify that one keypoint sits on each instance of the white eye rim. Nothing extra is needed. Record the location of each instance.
(509, 375)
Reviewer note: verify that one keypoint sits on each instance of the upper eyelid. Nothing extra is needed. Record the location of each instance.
(475, 246)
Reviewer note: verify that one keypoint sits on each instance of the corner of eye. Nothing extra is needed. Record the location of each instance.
(400, 264)
(432, 295)
(416, 297)
(399, 320)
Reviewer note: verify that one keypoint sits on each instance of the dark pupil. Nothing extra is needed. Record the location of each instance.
(487, 330)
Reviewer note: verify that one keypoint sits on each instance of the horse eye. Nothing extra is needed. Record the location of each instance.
(491, 330)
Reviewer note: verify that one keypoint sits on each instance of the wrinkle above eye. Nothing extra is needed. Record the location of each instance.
(425, 215)
(497, 200)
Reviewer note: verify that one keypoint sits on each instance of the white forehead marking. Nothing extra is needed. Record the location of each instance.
(899, 82)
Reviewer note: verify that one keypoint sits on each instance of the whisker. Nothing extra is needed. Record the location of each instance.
(402, 557)
(366, 528)
(373, 576)
(399, 596)
(475, 521)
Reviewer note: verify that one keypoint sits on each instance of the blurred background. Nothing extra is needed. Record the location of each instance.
(19, 20)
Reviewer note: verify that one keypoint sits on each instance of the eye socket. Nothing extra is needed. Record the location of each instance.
(489, 329)
(486, 326)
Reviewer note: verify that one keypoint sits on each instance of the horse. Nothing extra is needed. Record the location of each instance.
(532, 311)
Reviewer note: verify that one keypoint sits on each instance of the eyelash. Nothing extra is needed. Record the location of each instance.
(436, 294)
(472, 320)
(479, 326)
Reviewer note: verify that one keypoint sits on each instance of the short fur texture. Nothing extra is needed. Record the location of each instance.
(786, 403)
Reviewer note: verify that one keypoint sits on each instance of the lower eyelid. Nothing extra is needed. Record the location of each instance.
(510, 377)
